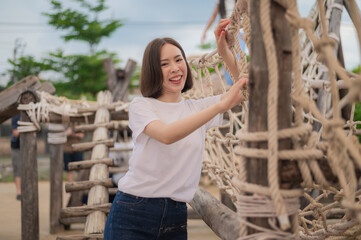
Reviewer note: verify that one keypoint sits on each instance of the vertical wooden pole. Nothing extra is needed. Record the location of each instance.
(258, 92)
(56, 184)
(95, 221)
(29, 178)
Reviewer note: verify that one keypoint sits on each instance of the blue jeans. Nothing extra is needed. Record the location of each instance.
(139, 218)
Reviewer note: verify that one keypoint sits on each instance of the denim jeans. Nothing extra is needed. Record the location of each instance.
(139, 218)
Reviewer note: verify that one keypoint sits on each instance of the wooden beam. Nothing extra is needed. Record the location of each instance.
(82, 237)
(118, 169)
(81, 147)
(9, 97)
(258, 98)
(86, 185)
(29, 178)
(89, 163)
(56, 186)
(110, 125)
(84, 210)
(68, 221)
(223, 221)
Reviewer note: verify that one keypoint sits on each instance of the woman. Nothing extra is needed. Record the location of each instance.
(168, 134)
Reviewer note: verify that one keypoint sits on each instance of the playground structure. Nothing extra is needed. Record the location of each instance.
(291, 136)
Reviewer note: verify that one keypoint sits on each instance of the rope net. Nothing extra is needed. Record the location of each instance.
(325, 148)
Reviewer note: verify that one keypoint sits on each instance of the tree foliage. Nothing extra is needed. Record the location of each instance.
(82, 26)
(84, 74)
(25, 66)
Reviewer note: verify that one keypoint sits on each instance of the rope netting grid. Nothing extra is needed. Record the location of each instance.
(334, 144)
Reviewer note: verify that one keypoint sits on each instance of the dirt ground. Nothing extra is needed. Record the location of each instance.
(10, 216)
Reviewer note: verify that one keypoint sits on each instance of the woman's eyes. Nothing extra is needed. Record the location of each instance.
(177, 60)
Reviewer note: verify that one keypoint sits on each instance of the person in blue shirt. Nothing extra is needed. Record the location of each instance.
(15, 155)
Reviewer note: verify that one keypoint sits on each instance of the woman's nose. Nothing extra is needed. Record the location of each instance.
(174, 67)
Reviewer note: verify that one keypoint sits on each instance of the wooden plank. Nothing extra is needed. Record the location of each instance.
(10, 96)
(258, 97)
(82, 237)
(86, 185)
(89, 163)
(84, 210)
(223, 221)
(81, 147)
(29, 179)
(118, 169)
(68, 221)
(56, 186)
(95, 221)
(121, 90)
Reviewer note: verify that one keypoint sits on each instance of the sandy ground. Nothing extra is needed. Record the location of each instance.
(10, 217)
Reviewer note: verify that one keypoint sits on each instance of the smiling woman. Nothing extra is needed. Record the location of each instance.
(169, 136)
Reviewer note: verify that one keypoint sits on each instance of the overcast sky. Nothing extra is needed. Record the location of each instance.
(144, 20)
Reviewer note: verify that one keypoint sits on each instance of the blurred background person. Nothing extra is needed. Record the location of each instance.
(15, 155)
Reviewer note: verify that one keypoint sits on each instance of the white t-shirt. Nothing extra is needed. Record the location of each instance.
(160, 170)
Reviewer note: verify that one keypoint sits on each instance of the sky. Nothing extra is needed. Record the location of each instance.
(144, 20)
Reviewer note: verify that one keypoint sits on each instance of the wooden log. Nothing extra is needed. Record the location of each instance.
(82, 237)
(116, 84)
(129, 149)
(111, 125)
(68, 221)
(258, 97)
(191, 214)
(112, 191)
(95, 222)
(81, 147)
(86, 185)
(223, 221)
(84, 210)
(118, 169)
(10, 96)
(121, 90)
(89, 163)
(110, 70)
(56, 186)
(29, 178)
(56, 118)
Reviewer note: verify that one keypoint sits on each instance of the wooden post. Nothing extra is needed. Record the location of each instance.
(258, 92)
(29, 178)
(56, 182)
(222, 220)
(95, 221)
(118, 85)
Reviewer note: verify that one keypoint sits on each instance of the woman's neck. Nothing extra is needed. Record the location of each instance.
(171, 98)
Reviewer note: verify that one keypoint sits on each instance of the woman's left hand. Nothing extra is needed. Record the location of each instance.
(232, 97)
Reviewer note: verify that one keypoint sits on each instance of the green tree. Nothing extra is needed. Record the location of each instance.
(84, 74)
(82, 27)
(25, 66)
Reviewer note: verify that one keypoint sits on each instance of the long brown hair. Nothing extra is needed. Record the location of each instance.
(151, 76)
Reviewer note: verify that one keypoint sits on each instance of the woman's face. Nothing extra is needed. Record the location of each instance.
(174, 69)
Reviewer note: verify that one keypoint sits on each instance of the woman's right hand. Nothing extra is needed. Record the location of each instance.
(220, 34)
(233, 96)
